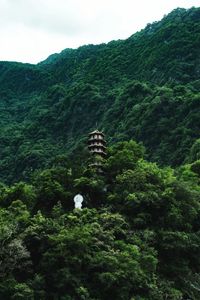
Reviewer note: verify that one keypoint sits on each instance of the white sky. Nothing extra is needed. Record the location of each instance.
(31, 30)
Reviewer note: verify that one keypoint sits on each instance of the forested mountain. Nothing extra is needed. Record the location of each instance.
(145, 88)
(138, 234)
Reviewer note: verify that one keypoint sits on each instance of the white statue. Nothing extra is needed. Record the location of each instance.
(78, 199)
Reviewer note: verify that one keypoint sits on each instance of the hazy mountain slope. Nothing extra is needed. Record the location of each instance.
(47, 109)
(165, 51)
(23, 78)
(138, 234)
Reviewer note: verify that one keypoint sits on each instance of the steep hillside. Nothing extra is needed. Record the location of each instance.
(23, 78)
(164, 52)
(138, 234)
(145, 88)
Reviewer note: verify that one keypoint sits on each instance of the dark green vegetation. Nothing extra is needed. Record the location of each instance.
(145, 88)
(138, 236)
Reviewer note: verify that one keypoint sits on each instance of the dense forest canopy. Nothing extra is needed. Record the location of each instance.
(144, 88)
(138, 234)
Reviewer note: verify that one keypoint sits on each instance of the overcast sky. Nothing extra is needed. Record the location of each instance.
(31, 30)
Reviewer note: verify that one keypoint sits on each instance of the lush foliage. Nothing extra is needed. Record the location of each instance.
(138, 234)
(137, 237)
(145, 88)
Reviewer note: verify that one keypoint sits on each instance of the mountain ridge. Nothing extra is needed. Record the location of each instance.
(137, 235)
(144, 88)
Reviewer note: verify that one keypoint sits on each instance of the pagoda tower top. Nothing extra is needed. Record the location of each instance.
(96, 132)
(96, 143)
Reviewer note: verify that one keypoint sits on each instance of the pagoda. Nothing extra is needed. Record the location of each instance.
(97, 143)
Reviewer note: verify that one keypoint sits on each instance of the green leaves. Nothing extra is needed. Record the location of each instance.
(144, 88)
(138, 234)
